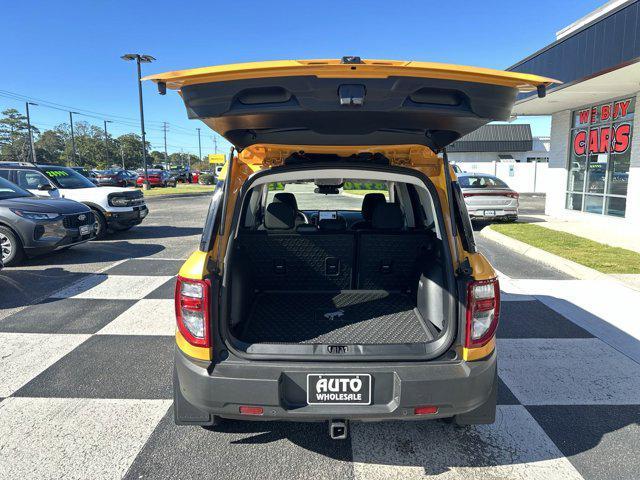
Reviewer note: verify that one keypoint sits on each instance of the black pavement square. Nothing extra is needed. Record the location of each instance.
(109, 366)
(533, 319)
(505, 395)
(287, 450)
(595, 438)
(65, 315)
(166, 291)
(146, 267)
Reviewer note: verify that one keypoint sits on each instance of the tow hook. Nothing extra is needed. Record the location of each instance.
(338, 429)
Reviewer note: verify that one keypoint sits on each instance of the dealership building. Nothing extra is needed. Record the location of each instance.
(594, 156)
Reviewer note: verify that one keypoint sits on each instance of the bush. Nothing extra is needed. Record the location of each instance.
(207, 179)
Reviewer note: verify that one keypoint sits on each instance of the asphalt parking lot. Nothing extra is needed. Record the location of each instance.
(85, 379)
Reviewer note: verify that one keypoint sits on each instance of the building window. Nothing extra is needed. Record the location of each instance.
(537, 159)
(599, 159)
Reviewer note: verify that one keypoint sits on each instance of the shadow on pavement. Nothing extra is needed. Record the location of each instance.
(159, 231)
(107, 251)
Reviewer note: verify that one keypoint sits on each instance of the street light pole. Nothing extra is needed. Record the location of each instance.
(141, 59)
(33, 147)
(106, 144)
(199, 147)
(166, 157)
(73, 138)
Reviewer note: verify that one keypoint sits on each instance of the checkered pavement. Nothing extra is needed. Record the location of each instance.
(85, 392)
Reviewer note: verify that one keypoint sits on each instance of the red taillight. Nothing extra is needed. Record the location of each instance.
(192, 311)
(248, 410)
(483, 310)
(426, 410)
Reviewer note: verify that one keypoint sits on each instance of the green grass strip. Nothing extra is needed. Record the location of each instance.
(586, 252)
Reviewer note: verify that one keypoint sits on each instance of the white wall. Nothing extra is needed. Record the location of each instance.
(522, 177)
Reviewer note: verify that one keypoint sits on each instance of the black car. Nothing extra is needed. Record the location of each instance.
(31, 225)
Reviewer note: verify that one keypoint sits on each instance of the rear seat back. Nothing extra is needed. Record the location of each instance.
(283, 257)
(390, 257)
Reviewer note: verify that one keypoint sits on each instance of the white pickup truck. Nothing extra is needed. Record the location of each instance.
(115, 208)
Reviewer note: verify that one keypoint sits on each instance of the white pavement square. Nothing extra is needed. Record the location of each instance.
(145, 317)
(113, 287)
(514, 447)
(23, 356)
(53, 438)
(575, 371)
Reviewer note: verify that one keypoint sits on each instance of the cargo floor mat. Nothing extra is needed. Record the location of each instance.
(348, 317)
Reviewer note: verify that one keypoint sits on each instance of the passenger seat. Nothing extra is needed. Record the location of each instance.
(369, 203)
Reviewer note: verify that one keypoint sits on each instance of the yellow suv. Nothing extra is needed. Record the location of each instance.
(337, 277)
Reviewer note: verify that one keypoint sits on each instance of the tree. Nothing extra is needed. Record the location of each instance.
(129, 146)
(50, 146)
(14, 136)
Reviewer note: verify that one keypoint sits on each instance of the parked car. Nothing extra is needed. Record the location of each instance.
(114, 208)
(157, 178)
(296, 307)
(181, 174)
(31, 225)
(115, 178)
(488, 198)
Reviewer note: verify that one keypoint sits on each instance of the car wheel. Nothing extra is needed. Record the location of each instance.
(100, 225)
(11, 247)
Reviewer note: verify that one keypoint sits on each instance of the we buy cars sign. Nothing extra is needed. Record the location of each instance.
(614, 138)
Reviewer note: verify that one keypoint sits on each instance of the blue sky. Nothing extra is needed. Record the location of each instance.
(69, 52)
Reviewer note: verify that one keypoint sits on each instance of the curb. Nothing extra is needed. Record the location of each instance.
(567, 266)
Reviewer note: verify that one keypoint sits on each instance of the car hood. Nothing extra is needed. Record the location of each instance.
(45, 205)
(347, 102)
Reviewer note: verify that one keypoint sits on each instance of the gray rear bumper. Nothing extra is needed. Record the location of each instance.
(456, 387)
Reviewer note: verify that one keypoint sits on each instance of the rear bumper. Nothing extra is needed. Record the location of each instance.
(456, 387)
(482, 213)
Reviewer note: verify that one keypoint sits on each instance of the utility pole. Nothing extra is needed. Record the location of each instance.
(33, 147)
(215, 144)
(122, 155)
(199, 147)
(166, 157)
(106, 143)
(141, 59)
(73, 138)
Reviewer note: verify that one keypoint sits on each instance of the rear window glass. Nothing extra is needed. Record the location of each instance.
(481, 181)
(347, 194)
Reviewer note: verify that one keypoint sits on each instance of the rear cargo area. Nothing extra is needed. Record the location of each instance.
(359, 317)
(315, 287)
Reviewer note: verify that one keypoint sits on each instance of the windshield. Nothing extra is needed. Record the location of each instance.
(67, 177)
(481, 181)
(348, 197)
(11, 190)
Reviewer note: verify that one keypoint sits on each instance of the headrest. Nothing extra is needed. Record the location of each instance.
(279, 216)
(388, 216)
(369, 203)
(332, 224)
(286, 197)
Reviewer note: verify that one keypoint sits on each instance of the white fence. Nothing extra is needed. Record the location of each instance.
(522, 177)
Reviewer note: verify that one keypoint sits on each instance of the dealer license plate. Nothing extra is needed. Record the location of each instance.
(85, 229)
(489, 213)
(344, 389)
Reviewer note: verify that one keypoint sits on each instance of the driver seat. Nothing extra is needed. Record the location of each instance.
(290, 199)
